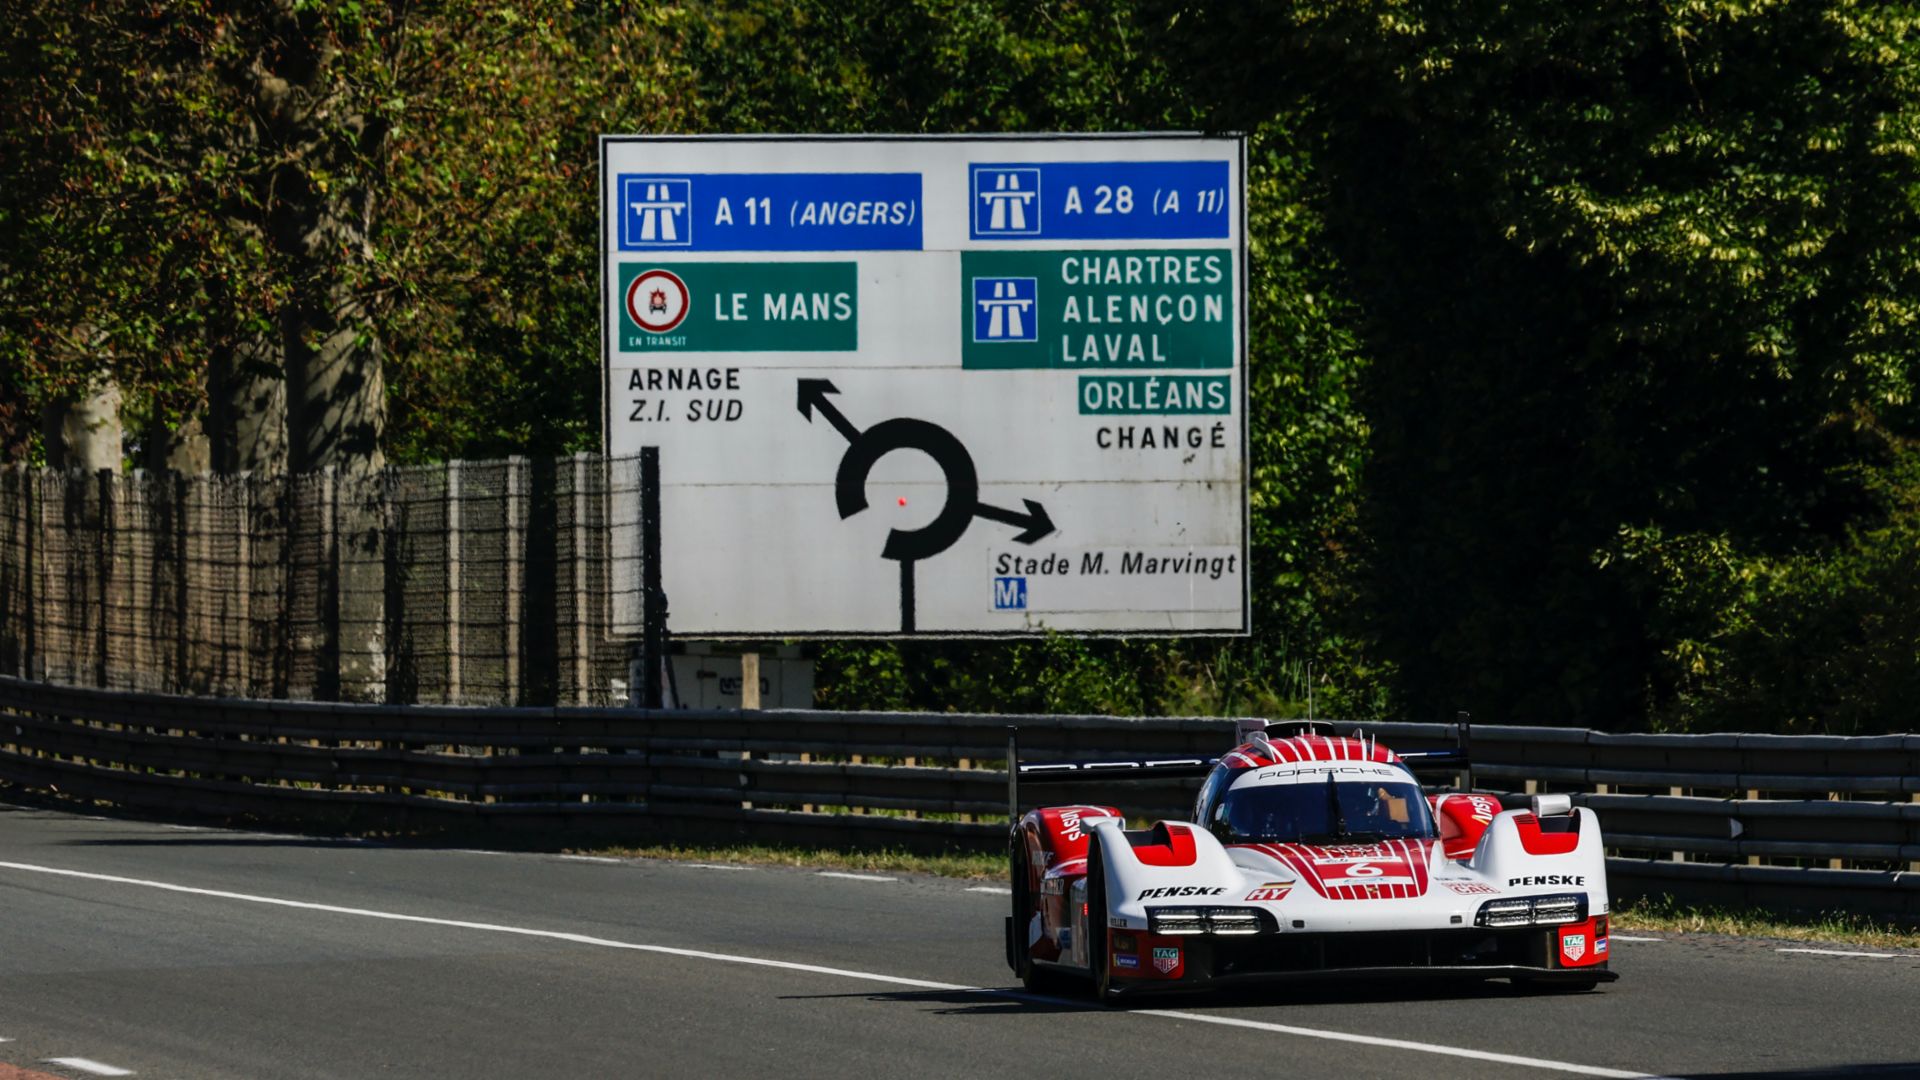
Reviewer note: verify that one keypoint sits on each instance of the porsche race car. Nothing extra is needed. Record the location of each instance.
(1307, 855)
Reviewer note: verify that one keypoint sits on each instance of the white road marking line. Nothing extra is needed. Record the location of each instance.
(854, 877)
(91, 1066)
(1838, 952)
(994, 889)
(714, 866)
(816, 969)
(185, 828)
(1623, 937)
(1401, 1044)
(590, 858)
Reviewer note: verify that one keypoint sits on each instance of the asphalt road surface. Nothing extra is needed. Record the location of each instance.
(165, 951)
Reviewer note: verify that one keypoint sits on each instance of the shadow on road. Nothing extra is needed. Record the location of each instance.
(992, 1000)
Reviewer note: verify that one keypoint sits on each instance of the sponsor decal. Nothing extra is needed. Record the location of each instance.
(1119, 922)
(1547, 879)
(1165, 960)
(1470, 888)
(1483, 809)
(1271, 891)
(1125, 961)
(1574, 945)
(1066, 937)
(1179, 890)
(1600, 947)
(1070, 821)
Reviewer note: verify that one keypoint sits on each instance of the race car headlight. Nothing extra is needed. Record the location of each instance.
(1533, 911)
(1177, 920)
(1232, 921)
(1207, 920)
(1505, 913)
(1555, 910)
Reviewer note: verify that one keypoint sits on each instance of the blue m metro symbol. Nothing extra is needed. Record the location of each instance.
(1010, 594)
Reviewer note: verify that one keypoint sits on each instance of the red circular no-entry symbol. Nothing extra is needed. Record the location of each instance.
(657, 300)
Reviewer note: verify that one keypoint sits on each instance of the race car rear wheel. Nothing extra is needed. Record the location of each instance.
(1097, 962)
(1019, 953)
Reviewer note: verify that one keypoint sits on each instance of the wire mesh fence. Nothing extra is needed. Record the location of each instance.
(467, 583)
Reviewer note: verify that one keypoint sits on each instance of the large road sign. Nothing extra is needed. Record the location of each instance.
(937, 386)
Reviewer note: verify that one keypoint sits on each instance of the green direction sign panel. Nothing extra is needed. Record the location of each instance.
(739, 307)
(1132, 311)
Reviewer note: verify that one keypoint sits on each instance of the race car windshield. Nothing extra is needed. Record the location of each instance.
(1352, 811)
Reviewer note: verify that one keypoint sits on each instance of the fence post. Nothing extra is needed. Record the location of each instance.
(582, 643)
(453, 517)
(242, 486)
(182, 594)
(103, 559)
(514, 514)
(30, 572)
(653, 617)
(139, 620)
(327, 674)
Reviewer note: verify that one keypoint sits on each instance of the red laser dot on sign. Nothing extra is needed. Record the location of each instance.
(903, 500)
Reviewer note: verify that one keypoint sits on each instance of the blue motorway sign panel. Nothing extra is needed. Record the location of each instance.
(1100, 200)
(769, 211)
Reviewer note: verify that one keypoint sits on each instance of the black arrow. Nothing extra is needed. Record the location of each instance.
(813, 395)
(1035, 520)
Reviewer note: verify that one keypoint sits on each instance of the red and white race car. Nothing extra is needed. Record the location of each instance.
(1307, 855)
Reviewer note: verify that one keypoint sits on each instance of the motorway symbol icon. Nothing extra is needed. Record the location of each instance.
(866, 448)
(1003, 309)
(656, 212)
(1006, 201)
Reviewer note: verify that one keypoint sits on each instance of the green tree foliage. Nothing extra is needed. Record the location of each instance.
(1619, 267)
(1583, 337)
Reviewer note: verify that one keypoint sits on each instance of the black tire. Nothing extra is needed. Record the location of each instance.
(1097, 923)
(1040, 980)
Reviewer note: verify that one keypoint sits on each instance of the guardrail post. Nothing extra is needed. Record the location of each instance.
(453, 515)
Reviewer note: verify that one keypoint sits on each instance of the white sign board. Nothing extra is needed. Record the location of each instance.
(939, 386)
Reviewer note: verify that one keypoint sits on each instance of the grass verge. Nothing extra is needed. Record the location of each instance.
(1666, 915)
(971, 866)
(1655, 915)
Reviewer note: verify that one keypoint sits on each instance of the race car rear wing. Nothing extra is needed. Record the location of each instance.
(1061, 772)
(1456, 761)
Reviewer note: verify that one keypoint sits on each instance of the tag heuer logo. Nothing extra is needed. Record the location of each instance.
(1165, 960)
(1575, 946)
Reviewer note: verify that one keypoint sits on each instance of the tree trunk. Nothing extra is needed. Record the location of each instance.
(83, 432)
(247, 404)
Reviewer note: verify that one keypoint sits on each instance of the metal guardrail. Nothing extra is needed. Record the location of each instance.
(1770, 821)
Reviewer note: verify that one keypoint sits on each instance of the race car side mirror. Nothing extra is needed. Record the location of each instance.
(1551, 805)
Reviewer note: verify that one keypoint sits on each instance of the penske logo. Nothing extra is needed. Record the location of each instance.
(1546, 879)
(1166, 891)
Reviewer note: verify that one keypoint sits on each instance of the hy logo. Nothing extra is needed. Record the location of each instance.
(654, 212)
(1003, 309)
(1006, 202)
(1009, 594)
